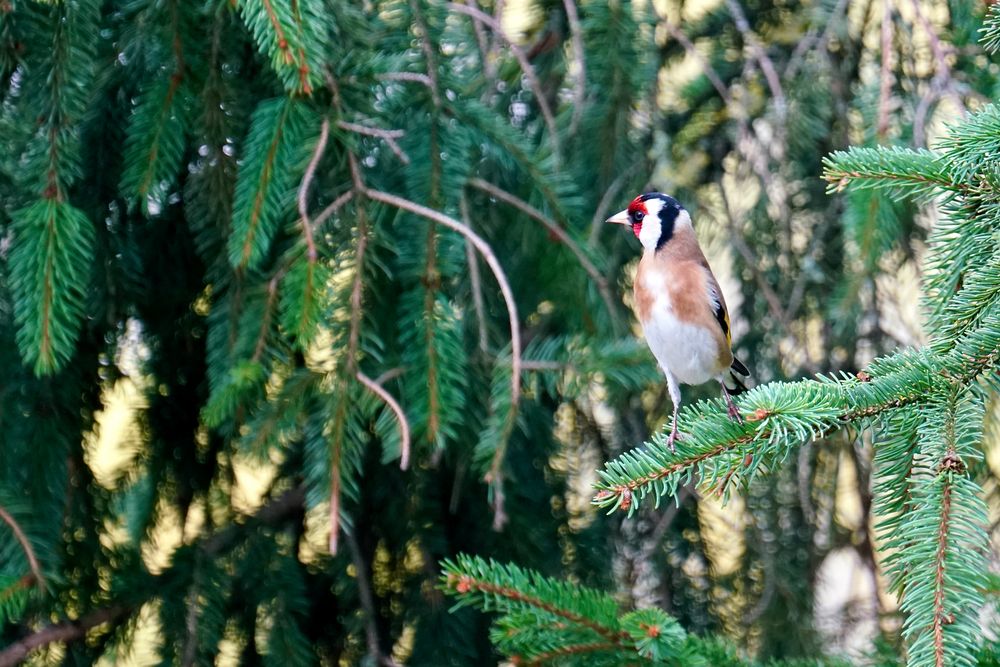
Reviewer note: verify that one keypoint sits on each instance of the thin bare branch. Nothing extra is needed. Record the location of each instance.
(404, 424)
(428, 49)
(487, 252)
(333, 207)
(693, 52)
(64, 631)
(749, 144)
(813, 37)
(367, 603)
(485, 54)
(476, 283)
(773, 302)
(390, 374)
(604, 206)
(885, 73)
(580, 89)
(760, 55)
(29, 552)
(529, 71)
(556, 231)
(415, 77)
(943, 75)
(303, 195)
(388, 136)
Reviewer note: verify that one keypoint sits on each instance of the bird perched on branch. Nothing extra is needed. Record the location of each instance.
(679, 302)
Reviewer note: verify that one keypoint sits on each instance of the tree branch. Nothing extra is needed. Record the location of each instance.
(529, 72)
(29, 552)
(60, 632)
(404, 425)
(487, 252)
(580, 89)
(561, 234)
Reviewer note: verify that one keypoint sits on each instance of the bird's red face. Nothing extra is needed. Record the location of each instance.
(653, 218)
(636, 213)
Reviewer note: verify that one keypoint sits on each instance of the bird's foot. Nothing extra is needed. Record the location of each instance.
(675, 435)
(734, 412)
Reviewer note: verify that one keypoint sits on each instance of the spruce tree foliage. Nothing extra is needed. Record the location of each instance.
(281, 229)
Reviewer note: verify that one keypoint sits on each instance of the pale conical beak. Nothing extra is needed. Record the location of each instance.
(620, 218)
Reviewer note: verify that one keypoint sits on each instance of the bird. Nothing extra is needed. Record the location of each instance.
(680, 304)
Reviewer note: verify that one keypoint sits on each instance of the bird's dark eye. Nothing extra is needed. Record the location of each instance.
(638, 215)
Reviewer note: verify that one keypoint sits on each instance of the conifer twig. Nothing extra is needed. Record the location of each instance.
(487, 252)
(760, 55)
(425, 45)
(885, 72)
(29, 552)
(333, 207)
(367, 603)
(485, 55)
(404, 425)
(557, 231)
(303, 194)
(415, 77)
(475, 281)
(465, 583)
(580, 89)
(63, 631)
(388, 136)
(526, 67)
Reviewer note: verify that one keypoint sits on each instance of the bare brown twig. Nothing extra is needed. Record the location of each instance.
(760, 55)
(367, 603)
(29, 552)
(487, 252)
(59, 632)
(529, 71)
(388, 136)
(303, 194)
(475, 281)
(404, 425)
(561, 234)
(885, 72)
(580, 89)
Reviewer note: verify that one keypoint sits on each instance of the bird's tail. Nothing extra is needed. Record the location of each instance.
(734, 377)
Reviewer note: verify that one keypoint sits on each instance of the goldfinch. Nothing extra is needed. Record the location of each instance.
(679, 303)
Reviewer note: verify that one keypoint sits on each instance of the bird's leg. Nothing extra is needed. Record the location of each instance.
(675, 398)
(734, 412)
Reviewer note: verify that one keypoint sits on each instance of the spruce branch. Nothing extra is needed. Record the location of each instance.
(509, 588)
(917, 172)
(530, 76)
(990, 32)
(780, 415)
(29, 551)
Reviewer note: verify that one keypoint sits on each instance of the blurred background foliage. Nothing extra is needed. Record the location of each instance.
(216, 270)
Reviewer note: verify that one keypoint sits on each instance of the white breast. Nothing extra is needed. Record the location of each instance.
(690, 353)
